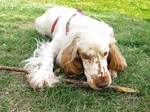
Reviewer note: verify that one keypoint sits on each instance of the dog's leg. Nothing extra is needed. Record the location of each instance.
(113, 73)
(40, 65)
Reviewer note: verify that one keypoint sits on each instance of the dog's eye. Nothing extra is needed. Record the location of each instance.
(105, 53)
(85, 56)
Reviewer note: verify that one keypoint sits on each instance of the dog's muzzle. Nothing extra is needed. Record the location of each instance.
(99, 82)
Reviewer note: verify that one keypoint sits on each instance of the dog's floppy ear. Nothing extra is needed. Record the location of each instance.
(70, 59)
(115, 59)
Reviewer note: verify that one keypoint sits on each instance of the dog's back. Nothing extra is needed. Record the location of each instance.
(44, 23)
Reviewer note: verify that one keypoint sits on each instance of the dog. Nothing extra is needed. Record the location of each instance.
(80, 45)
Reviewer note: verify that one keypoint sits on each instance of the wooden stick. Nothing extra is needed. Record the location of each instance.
(16, 69)
(79, 83)
(85, 84)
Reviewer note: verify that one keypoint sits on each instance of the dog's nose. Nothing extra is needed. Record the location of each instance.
(102, 85)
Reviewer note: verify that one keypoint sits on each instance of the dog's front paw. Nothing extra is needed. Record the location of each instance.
(52, 80)
(113, 74)
(41, 78)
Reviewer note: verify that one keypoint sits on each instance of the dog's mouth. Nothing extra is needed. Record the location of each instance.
(99, 83)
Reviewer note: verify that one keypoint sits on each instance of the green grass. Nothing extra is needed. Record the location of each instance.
(131, 22)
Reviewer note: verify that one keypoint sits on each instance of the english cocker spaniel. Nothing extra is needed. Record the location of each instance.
(80, 44)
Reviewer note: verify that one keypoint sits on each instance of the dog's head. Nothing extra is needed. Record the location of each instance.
(94, 60)
(89, 55)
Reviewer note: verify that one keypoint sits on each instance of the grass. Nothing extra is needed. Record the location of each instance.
(131, 22)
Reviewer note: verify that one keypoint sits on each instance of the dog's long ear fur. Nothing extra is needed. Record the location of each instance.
(70, 59)
(115, 59)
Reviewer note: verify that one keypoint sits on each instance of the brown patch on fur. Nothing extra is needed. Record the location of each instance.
(115, 60)
(99, 66)
(91, 59)
(71, 65)
(105, 73)
(90, 48)
(99, 71)
(100, 80)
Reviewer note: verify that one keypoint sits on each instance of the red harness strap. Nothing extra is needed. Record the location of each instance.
(68, 23)
(54, 24)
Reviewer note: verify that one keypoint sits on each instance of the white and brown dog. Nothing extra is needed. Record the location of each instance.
(81, 45)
